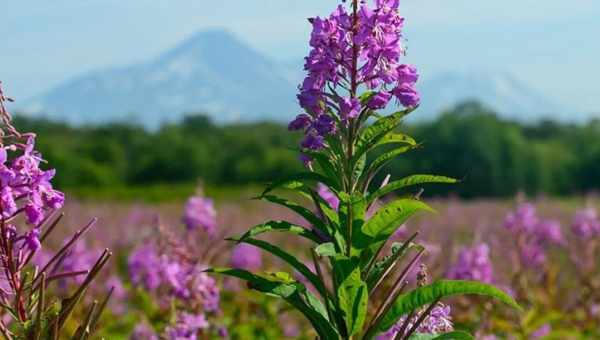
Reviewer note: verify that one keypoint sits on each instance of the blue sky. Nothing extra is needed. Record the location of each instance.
(552, 45)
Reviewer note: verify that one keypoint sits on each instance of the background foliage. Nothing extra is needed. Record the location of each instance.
(495, 157)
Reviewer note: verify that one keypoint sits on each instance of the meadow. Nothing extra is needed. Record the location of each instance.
(560, 295)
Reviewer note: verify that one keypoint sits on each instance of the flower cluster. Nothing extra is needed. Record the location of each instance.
(473, 263)
(26, 188)
(586, 223)
(170, 269)
(200, 213)
(187, 326)
(350, 50)
(28, 203)
(172, 277)
(437, 322)
(438, 319)
(533, 234)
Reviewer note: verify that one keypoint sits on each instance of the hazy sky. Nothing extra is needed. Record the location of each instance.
(552, 45)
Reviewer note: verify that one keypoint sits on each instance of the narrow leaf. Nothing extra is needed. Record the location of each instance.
(441, 289)
(300, 177)
(387, 220)
(292, 261)
(280, 226)
(409, 181)
(281, 285)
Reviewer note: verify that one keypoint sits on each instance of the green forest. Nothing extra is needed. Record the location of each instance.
(493, 157)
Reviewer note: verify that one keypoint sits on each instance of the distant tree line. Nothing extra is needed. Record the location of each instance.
(494, 157)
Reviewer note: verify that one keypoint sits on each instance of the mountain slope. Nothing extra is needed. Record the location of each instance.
(211, 72)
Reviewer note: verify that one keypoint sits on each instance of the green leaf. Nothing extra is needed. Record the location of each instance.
(308, 215)
(380, 162)
(301, 177)
(352, 218)
(359, 167)
(292, 261)
(456, 335)
(327, 165)
(326, 250)
(387, 220)
(374, 133)
(283, 286)
(352, 293)
(281, 226)
(397, 138)
(441, 289)
(366, 96)
(409, 181)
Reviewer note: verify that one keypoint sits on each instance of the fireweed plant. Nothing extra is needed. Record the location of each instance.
(28, 214)
(354, 72)
(169, 270)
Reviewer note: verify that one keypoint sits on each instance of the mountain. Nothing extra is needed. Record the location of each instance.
(215, 73)
(500, 91)
(211, 72)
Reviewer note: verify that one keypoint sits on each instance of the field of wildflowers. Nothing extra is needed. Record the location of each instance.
(339, 256)
(558, 288)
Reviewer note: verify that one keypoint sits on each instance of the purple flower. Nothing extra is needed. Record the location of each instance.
(473, 264)
(379, 100)
(22, 178)
(245, 256)
(586, 223)
(551, 231)
(223, 332)
(205, 288)
(541, 332)
(34, 214)
(305, 159)
(438, 321)
(144, 267)
(407, 74)
(533, 254)
(7, 202)
(407, 95)
(523, 219)
(200, 213)
(80, 258)
(186, 327)
(313, 142)
(368, 53)
(534, 234)
(324, 125)
(143, 331)
(349, 108)
(301, 122)
(32, 240)
(328, 195)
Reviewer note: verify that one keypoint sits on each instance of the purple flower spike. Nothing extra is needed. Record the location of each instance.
(586, 223)
(473, 264)
(200, 213)
(245, 256)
